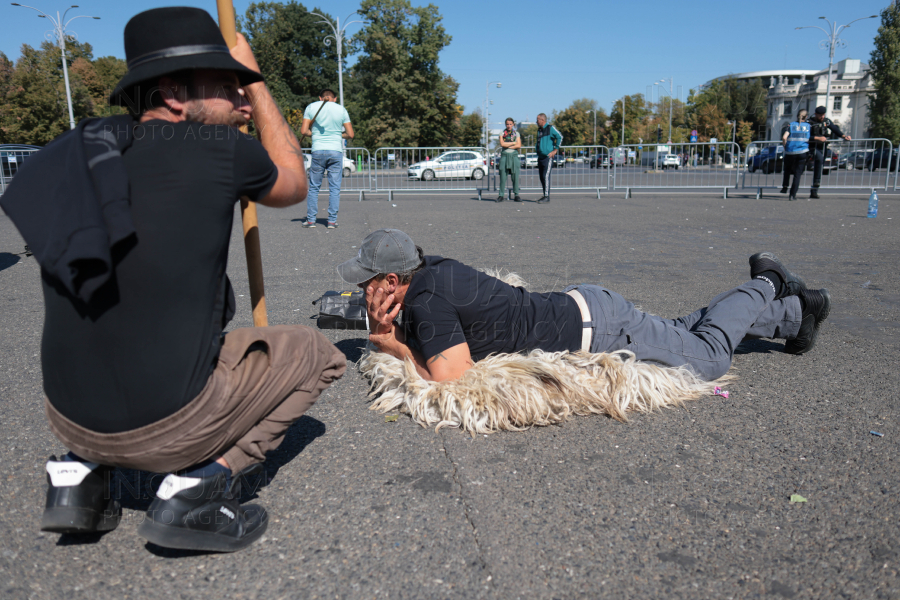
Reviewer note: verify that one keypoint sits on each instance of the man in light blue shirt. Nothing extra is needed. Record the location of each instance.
(329, 124)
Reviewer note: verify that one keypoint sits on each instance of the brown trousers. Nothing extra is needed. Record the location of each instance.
(265, 379)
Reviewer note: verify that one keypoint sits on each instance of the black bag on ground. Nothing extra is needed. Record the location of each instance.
(342, 310)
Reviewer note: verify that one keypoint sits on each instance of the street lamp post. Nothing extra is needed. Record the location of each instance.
(338, 37)
(671, 100)
(59, 32)
(595, 124)
(623, 120)
(487, 107)
(831, 43)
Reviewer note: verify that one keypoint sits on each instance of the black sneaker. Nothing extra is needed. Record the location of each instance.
(499, 199)
(792, 197)
(517, 198)
(813, 193)
(816, 306)
(784, 190)
(309, 224)
(766, 261)
(543, 200)
(194, 513)
(78, 498)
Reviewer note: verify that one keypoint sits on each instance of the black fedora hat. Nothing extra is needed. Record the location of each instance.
(166, 40)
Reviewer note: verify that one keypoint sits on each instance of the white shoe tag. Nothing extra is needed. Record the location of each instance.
(173, 484)
(68, 473)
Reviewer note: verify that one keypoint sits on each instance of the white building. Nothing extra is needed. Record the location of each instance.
(851, 84)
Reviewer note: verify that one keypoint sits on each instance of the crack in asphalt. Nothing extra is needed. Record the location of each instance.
(462, 497)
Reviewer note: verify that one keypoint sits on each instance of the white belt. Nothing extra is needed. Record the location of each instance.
(586, 328)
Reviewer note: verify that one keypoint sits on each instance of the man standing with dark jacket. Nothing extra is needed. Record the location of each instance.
(138, 372)
(548, 142)
(821, 130)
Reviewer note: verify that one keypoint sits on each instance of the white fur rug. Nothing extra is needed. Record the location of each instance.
(515, 391)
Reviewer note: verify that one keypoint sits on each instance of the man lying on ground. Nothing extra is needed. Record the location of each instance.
(455, 315)
(133, 249)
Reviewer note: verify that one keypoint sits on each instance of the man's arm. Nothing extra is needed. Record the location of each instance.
(389, 338)
(837, 131)
(348, 131)
(557, 138)
(306, 127)
(276, 137)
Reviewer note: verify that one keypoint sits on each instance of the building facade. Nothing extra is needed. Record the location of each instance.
(851, 86)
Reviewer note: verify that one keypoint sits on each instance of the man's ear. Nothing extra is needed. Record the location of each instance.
(393, 282)
(174, 96)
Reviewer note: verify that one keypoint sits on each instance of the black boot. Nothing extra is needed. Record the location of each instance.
(543, 200)
(78, 498)
(517, 198)
(784, 190)
(790, 284)
(814, 193)
(194, 513)
(816, 306)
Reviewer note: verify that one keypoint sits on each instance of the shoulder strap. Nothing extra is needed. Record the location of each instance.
(316, 116)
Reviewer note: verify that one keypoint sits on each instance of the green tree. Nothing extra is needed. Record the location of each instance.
(576, 123)
(884, 64)
(740, 100)
(470, 129)
(637, 127)
(35, 109)
(289, 45)
(401, 96)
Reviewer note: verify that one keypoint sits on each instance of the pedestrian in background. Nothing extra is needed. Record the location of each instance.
(821, 130)
(329, 124)
(548, 142)
(795, 137)
(510, 141)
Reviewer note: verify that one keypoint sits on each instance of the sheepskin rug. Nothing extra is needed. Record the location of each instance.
(517, 391)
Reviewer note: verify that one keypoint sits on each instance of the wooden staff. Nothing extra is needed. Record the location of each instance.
(248, 209)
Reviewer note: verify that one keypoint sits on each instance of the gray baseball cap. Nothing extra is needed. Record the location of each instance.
(383, 251)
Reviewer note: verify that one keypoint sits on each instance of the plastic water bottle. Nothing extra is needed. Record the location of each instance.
(873, 205)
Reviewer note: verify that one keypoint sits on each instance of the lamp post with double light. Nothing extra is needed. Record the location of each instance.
(487, 107)
(671, 100)
(59, 33)
(831, 43)
(338, 37)
(595, 124)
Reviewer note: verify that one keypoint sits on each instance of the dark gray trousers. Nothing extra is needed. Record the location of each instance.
(705, 340)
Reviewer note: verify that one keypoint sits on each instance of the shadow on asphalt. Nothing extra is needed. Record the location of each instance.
(135, 490)
(7, 260)
(83, 539)
(353, 348)
(749, 346)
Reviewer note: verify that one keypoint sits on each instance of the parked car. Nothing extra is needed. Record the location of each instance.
(531, 160)
(450, 165)
(879, 159)
(559, 160)
(831, 161)
(349, 165)
(768, 160)
(669, 160)
(13, 155)
(599, 160)
(854, 160)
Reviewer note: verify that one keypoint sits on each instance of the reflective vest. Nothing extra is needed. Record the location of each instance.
(798, 139)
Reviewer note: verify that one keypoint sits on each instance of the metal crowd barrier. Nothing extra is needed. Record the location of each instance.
(857, 164)
(357, 171)
(679, 165)
(574, 168)
(11, 159)
(429, 169)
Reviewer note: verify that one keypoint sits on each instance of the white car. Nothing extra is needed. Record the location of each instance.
(669, 160)
(454, 164)
(349, 165)
(531, 160)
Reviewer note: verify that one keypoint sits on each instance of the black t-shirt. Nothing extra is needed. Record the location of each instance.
(148, 341)
(448, 303)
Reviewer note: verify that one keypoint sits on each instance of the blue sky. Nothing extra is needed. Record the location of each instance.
(548, 54)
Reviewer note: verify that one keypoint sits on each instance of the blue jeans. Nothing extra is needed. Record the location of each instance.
(333, 162)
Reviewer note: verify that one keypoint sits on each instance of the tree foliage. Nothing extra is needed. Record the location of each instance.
(470, 130)
(884, 65)
(576, 124)
(290, 46)
(638, 122)
(734, 99)
(401, 97)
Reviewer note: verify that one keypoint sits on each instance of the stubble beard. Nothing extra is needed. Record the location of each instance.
(198, 111)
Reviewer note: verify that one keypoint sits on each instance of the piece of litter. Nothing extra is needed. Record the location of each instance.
(391, 418)
(797, 498)
(866, 284)
(876, 433)
(394, 205)
(720, 392)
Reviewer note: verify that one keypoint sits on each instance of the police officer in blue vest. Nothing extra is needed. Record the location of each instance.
(795, 137)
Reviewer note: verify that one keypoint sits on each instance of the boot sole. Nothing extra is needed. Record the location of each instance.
(80, 520)
(790, 348)
(179, 538)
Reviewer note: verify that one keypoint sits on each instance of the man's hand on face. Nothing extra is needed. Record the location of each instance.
(381, 312)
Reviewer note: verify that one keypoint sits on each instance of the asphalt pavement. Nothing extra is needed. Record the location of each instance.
(691, 502)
